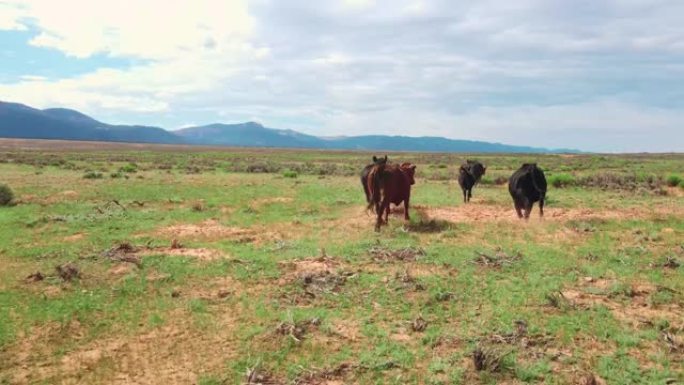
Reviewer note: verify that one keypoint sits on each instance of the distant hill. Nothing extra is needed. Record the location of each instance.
(20, 121)
(248, 134)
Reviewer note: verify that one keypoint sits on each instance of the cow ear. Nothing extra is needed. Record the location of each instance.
(375, 159)
(413, 167)
(385, 158)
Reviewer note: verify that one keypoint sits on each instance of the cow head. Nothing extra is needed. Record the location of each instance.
(377, 160)
(410, 171)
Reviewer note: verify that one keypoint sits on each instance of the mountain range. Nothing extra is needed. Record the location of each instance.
(21, 121)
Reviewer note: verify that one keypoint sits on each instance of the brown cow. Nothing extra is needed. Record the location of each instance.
(390, 183)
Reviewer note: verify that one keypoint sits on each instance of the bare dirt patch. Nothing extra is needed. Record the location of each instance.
(631, 305)
(213, 289)
(311, 265)
(258, 203)
(125, 252)
(201, 254)
(346, 329)
(208, 230)
(408, 254)
(314, 276)
(74, 238)
(493, 213)
(174, 354)
(675, 191)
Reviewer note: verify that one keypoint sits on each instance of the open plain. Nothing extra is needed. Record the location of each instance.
(141, 264)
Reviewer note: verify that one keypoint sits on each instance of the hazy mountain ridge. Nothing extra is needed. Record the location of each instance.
(20, 121)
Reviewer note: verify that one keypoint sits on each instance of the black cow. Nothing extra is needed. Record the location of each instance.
(468, 176)
(366, 171)
(528, 185)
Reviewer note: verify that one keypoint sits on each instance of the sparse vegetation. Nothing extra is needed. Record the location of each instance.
(265, 279)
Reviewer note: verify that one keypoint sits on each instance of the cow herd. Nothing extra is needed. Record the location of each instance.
(384, 183)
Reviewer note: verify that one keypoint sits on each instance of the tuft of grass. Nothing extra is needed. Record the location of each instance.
(6, 195)
(290, 174)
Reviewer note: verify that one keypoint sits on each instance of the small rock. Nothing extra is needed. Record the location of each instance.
(223, 293)
(175, 293)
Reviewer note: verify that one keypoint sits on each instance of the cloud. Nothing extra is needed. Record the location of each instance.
(10, 17)
(152, 29)
(536, 72)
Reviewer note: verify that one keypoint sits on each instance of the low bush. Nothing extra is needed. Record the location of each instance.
(92, 175)
(6, 195)
(562, 180)
(674, 180)
(290, 174)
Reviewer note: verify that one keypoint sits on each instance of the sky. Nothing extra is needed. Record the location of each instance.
(594, 75)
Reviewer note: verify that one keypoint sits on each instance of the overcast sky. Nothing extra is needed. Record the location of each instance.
(588, 74)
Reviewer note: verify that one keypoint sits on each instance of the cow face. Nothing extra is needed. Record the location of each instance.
(410, 171)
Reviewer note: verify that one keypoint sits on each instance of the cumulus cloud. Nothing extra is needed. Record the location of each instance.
(538, 72)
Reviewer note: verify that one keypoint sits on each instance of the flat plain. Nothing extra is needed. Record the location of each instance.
(143, 264)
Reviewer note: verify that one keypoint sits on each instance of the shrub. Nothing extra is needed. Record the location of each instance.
(674, 180)
(129, 168)
(6, 195)
(290, 174)
(92, 175)
(562, 180)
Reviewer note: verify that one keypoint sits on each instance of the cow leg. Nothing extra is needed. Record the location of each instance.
(378, 221)
(541, 208)
(518, 208)
(465, 196)
(528, 209)
(406, 209)
(386, 205)
(470, 193)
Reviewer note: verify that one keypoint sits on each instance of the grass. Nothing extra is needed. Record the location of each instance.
(256, 250)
